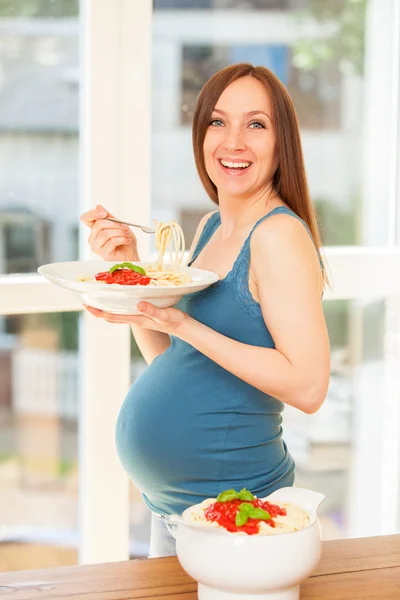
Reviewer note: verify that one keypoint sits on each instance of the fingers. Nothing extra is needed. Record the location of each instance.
(108, 249)
(91, 216)
(106, 236)
(101, 225)
(111, 318)
(112, 236)
(159, 315)
(151, 311)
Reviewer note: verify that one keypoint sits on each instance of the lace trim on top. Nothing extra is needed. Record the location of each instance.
(242, 290)
(208, 231)
(239, 274)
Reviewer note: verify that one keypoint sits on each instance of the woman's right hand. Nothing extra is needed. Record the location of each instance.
(110, 240)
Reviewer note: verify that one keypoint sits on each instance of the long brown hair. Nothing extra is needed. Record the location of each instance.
(289, 180)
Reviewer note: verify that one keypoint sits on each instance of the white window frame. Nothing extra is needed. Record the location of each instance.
(115, 129)
(116, 162)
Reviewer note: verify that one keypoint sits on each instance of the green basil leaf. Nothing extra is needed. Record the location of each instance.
(115, 267)
(246, 507)
(138, 269)
(259, 513)
(245, 495)
(241, 518)
(227, 496)
(128, 265)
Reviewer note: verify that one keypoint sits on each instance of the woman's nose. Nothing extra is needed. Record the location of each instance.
(235, 140)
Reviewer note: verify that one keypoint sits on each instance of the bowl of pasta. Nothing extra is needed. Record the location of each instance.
(117, 287)
(248, 548)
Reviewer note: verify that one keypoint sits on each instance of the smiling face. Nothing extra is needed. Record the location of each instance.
(239, 145)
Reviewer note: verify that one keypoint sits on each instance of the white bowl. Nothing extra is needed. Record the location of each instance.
(120, 299)
(237, 566)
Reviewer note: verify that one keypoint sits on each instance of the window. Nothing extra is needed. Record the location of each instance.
(258, 4)
(118, 173)
(43, 54)
(39, 407)
(39, 139)
(26, 241)
(229, 4)
(180, 4)
(316, 93)
(39, 352)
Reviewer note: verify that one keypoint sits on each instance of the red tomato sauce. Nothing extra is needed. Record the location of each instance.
(224, 513)
(123, 277)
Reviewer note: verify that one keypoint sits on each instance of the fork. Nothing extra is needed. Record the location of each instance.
(142, 227)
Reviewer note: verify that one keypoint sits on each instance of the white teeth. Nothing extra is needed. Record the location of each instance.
(232, 165)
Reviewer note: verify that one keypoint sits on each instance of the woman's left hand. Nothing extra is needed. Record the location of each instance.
(166, 320)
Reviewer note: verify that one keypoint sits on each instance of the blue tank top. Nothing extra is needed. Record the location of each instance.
(188, 428)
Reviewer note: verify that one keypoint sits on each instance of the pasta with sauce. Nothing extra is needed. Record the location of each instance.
(169, 240)
(293, 519)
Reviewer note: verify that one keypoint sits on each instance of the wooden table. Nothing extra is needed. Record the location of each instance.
(360, 569)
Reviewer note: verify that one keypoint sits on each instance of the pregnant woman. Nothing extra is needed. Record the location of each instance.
(206, 415)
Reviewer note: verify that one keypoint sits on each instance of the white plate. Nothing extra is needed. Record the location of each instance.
(115, 298)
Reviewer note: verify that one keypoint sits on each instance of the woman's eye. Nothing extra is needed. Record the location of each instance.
(216, 123)
(257, 125)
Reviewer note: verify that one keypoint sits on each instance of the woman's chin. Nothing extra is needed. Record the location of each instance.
(235, 191)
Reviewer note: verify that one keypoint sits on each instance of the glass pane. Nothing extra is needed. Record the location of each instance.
(225, 4)
(39, 396)
(39, 133)
(318, 51)
(337, 449)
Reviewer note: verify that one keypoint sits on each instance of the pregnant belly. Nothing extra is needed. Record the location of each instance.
(170, 427)
(183, 427)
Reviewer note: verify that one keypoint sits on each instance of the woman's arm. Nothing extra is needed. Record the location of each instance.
(153, 343)
(285, 267)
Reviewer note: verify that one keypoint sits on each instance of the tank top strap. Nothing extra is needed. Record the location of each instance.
(276, 211)
(243, 260)
(288, 211)
(242, 265)
(208, 231)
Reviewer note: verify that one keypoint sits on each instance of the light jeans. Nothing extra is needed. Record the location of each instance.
(162, 540)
